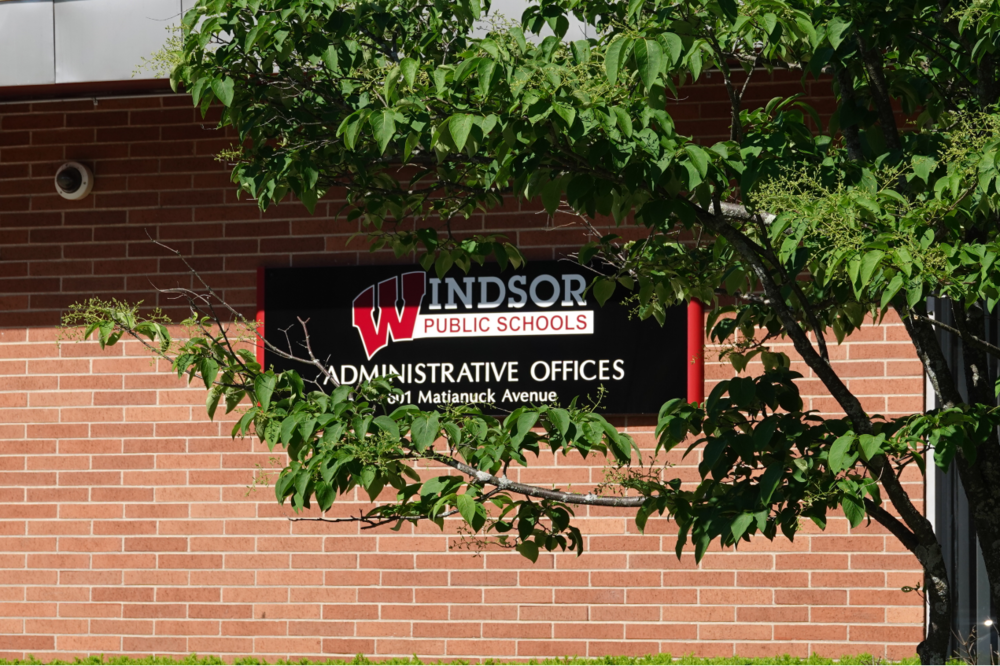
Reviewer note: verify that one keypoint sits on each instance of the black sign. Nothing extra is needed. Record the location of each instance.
(500, 339)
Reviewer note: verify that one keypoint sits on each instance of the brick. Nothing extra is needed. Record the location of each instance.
(221, 611)
(189, 561)
(88, 643)
(539, 648)
(348, 646)
(773, 614)
(814, 632)
(27, 609)
(215, 645)
(160, 644)
(553, 613)
(810, 597)
(254, 628)
(27, 642)
(125, 594)
(156, 544)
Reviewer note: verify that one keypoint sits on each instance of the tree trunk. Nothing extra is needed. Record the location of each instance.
(934, 648)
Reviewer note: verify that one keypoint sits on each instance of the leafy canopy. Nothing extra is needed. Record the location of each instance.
(805, 225)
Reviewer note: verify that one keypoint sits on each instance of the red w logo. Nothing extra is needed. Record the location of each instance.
(376, 336)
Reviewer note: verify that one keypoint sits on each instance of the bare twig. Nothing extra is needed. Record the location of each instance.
(312, 357)
(966, 338)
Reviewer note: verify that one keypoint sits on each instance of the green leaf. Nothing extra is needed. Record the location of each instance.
(871, 445)
(351, 127)
(340, 394)
(529, 549)
(699, 158)
(460, 125)
(603, 288)
(243, 425)
(233, 398)
(212, 402)
(729, 8)
(466, 505)
(624, 120)
(552, 195)
(675, 46)
(854, 509)
(806, 26)
(695, 63)
(367, 476)
(869, 263)
(288, 427)
(176, 74)
(384, 127)
(835, 30)
(853, 269)
(560, 419)
(223, 89)
(763, 433)
(613, 58)
(903, 260)
(914, 294)
(263, 388)
(295, 382)
(411, 142)
(283, 484)
(518, 34)
(408, 66)
(566, 112)
(769, 481)
(890, 292)
(307, 428)
(525, 422)
(740, 525)
(649, 60)
(443, 264)
(387, 426)
(209, 371)
(330, 58)
(581, 51)
(770, 23)
(453, 433)
(743, 391)
(923, 166)
(839, 451)
(325, 496)
(424, 430)
(484, 73)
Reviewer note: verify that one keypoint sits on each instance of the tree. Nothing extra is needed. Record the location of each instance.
(804, 230)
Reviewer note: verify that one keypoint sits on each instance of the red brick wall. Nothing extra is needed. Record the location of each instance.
(127, 526)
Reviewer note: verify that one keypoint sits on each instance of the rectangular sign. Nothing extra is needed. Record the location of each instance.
(498, 339)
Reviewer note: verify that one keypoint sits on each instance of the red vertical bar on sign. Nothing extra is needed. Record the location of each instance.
(696, 352)
(260, 314)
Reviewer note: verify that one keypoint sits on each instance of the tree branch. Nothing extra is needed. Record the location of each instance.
(872, 58)
(930, 354)
(966, 338)
(845, 82)
(891, 523)
(503, 483)
(312, 357)
(848, 402)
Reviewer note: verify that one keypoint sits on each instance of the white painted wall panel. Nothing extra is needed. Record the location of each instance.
(72, 41)
(105, 40)
(26, 45)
